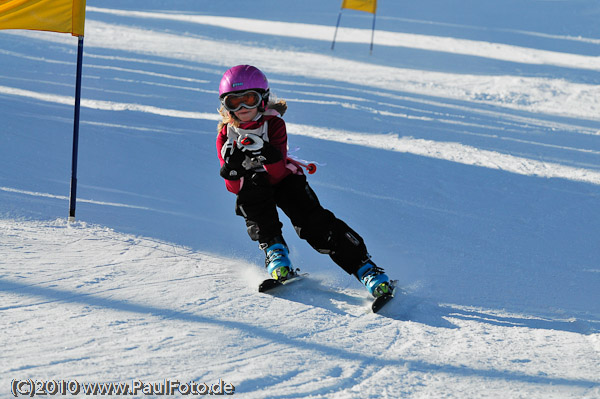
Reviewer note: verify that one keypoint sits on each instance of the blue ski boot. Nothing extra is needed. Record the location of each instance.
(277, 262)
(375, 279)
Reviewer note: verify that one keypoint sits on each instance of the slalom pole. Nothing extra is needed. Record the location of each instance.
(336, 28)
(372, 34)
(73, 196)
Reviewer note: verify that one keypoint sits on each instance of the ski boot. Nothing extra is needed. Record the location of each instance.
(375, 279)
(277, 262)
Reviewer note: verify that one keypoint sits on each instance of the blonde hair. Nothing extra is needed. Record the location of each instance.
(280, 106)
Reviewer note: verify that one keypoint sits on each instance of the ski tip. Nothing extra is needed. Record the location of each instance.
(268, 284)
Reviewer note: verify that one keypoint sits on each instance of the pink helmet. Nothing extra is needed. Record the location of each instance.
(243, 77)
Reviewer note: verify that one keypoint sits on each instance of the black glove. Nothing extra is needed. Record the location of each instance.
(233, 156)
(259, 150)
(259, 179)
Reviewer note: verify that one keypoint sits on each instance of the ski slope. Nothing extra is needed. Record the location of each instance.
(465, 150)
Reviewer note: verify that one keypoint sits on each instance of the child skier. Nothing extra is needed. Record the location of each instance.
(252, 149)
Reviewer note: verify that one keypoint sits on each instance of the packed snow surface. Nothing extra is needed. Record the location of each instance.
(465, 150)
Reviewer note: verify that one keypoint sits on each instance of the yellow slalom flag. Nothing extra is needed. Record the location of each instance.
(361, 5)
(64, 16)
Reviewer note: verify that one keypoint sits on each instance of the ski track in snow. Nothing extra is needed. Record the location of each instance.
(138, 296)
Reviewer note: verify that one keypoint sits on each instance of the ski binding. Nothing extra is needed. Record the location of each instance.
(380, 302)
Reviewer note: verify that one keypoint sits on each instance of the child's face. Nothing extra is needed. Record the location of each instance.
(245, 114)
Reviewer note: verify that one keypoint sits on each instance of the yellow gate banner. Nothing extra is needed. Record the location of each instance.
(361, 5)
(65, 16)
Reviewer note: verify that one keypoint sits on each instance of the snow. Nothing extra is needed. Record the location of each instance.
(465, 150)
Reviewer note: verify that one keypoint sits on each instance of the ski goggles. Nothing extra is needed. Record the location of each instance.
(248, 99)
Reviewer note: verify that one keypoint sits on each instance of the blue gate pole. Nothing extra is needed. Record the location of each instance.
(336, 29)
(73, 196)
(372, 34)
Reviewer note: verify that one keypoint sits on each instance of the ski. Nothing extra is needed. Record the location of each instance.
(271, 283)
(381, 301)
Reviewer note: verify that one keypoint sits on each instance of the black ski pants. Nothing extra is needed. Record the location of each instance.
(257, 203)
